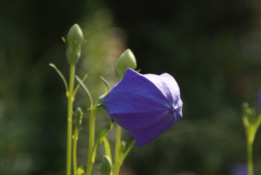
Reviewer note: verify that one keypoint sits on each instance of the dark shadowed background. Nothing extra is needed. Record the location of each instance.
(211, 47)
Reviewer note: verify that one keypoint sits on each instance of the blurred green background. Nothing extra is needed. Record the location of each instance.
(211, 47)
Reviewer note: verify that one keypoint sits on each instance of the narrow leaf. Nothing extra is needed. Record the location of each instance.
(106, 85)
(100, 138)
(85, 89)
(107, 147)
(101, 98)
(77, 87)
(61, 75)
(128, 150)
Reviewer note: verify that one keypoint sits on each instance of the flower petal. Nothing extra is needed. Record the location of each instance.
(145, 105)
(168, 87)
(134, 93)
(146, 135)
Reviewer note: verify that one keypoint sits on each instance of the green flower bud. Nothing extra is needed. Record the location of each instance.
(74, 44)
(80, 171)
(126, 60)
(77, 119)
(249, 115)
(123, 146)
(106, 166)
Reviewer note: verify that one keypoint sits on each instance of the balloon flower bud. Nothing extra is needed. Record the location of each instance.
(126, 60)
(77, 119)
(74, 44)
(106, 166)
(145, 105)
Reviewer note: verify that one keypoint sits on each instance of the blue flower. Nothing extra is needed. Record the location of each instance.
(145, 105)
(239, 169)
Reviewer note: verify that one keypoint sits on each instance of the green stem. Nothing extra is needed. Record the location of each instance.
(69, 120)
(75, 138)
(91, 140)
(250, 155)
(117, 151)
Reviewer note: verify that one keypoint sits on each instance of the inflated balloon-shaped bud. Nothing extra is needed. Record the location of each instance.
(126, 60)
(77, 119)
(74, 42)
(106, 166)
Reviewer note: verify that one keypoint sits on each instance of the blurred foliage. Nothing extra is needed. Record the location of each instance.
(212, 48)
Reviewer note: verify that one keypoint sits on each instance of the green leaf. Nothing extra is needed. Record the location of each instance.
(85, 89)
(106, 85)
(101, 98)
(107, 147)
(78, 85)
(61, 75)
(128, 150)
(100, 138)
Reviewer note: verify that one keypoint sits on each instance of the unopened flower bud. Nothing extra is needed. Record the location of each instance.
(106, 166)
(126, 60)
(74, 44)
(123, 146)
(77, 119)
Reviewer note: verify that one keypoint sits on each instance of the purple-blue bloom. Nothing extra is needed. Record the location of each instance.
(145, 105)
(239, 169)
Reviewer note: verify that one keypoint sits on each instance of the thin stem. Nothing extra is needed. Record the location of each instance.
(75, 138)
(91, 140)
(69, 122)
(117, 151)
(250, 155)
(128, 150)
